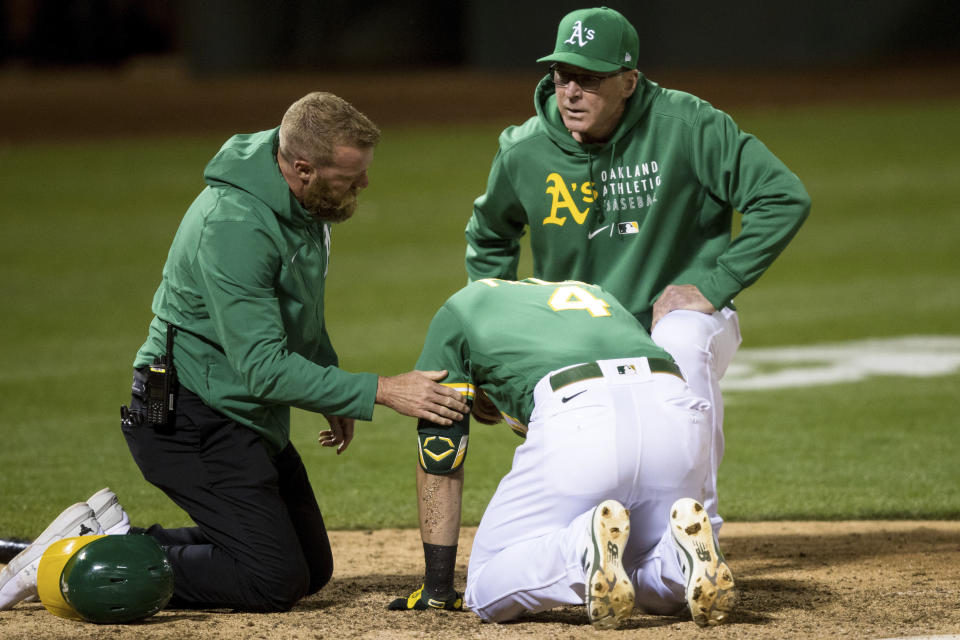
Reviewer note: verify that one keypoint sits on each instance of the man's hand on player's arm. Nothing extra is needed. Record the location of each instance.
(680, 296)
(339, 434)
(439, 501)
(417, 394)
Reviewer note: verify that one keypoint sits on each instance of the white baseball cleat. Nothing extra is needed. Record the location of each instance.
(610, 594)
(18, 580)
(111, 517)
(710, 590)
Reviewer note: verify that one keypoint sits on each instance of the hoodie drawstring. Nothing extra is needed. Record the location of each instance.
(602, 217)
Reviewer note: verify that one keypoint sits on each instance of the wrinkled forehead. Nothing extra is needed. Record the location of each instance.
(571, 70)
(351, 158)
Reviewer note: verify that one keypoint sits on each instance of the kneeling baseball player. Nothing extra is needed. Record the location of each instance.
(602, 505)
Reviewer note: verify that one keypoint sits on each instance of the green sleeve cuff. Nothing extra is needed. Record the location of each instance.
(720, 288)
(368, 395)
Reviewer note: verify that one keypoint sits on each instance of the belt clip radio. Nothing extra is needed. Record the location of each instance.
(161, 386)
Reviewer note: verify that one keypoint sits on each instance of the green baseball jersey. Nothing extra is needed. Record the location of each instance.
(652, 206)
(504, 336)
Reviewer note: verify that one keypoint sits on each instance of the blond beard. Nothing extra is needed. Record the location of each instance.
(320, 204)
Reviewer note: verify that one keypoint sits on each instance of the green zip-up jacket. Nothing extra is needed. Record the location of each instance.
(244, 285)
(652, 206)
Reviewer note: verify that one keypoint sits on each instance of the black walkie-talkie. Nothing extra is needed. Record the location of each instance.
(161, 379)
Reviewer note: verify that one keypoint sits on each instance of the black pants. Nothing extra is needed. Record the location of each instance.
(260, 543)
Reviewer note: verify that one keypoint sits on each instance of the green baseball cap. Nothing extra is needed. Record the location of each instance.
(598, 39)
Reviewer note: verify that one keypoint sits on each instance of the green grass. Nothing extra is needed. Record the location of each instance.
(877, 256)
(86, 228)
(883, 448)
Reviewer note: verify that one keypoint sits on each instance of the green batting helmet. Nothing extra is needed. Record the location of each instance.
(118, 579)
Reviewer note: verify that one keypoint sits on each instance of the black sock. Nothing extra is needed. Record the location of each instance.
(440, 561)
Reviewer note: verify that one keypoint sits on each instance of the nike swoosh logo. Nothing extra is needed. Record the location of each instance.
(595, 232)
(569, 398)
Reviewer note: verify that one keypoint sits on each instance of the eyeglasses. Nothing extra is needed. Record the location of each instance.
(586, 81)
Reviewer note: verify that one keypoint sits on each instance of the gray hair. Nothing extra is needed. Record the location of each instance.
(319, 122)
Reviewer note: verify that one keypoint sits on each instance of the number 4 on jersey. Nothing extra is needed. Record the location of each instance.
(573, 298)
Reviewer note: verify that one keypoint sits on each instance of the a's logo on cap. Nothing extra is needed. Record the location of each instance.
(580, 36)
(627, 57)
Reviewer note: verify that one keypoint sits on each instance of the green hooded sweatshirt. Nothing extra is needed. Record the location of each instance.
(652, 206)
(243, 284)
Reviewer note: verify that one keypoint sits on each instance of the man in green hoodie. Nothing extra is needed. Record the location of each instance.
(632, 186)
(242, 296)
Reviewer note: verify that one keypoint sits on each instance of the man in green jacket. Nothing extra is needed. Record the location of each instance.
(242, 301)
(623, 183)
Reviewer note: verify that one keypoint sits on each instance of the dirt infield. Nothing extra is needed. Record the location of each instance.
(796, 580)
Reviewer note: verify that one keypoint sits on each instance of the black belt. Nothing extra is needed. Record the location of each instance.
(592, 370)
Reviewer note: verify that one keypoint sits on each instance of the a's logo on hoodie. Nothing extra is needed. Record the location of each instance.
(626, 187)
(563, 199)
(580, 36)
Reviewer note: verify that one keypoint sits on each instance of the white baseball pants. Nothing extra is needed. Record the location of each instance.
(703, 345)
(633, 436)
